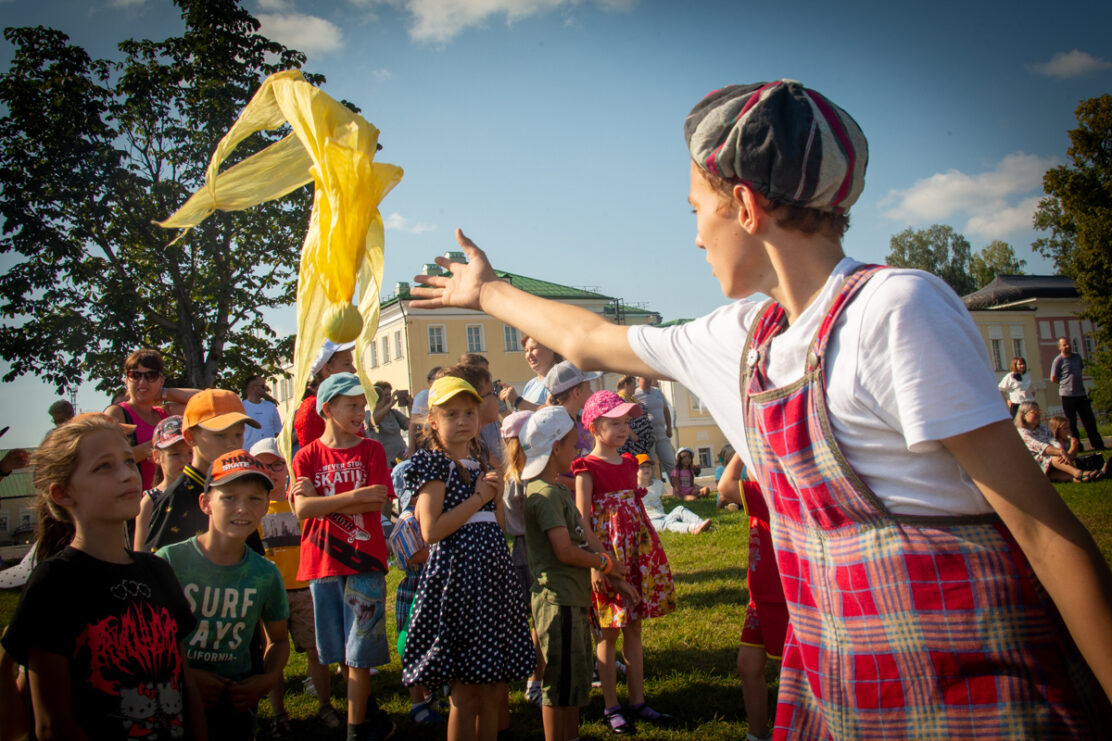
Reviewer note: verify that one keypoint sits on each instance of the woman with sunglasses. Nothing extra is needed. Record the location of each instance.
(148, 403)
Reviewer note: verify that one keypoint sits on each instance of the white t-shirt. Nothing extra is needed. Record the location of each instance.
(266, 414)
(1017, 391)
(906, 367)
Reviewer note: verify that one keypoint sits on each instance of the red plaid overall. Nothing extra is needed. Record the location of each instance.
(901, 626)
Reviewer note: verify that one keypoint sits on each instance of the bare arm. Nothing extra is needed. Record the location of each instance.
(194, 705)
(1060, 549)
(307, 502)
(581, 336)
(436, 524)
(245, 695)
(729, 486)
(143, 523)
(51, 697)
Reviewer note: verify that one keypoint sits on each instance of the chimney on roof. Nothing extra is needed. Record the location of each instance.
(456, 256)
(401, 289)
(431, 268)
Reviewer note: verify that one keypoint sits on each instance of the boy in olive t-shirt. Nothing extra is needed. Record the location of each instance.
(561, 555)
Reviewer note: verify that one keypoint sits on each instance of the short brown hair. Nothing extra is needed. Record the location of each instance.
(473, 358)
(147, 357)
(476, 375)
(787, 215)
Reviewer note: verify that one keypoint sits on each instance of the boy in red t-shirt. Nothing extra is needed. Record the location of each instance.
(341, 485)
(766, 617)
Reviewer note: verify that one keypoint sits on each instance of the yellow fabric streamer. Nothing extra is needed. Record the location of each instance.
(334, 148)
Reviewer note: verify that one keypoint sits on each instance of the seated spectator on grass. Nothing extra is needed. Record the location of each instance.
(680, 519)
(1054, 461)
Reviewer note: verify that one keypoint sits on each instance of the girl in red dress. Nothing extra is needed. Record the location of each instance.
(605, 493)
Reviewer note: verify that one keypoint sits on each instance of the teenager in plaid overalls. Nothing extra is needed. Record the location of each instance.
(936, 583)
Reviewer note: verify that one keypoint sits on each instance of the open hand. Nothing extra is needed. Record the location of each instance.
(463, 288)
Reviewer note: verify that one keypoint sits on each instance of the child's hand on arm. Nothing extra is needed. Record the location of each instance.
(624, 589)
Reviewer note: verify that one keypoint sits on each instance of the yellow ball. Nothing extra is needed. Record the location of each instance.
(342, 323)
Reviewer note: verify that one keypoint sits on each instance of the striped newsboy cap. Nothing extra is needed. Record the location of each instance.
(787, 142)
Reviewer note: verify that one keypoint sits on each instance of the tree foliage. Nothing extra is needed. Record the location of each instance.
(92, 151)
(1077, 213)
(940, 250)
(997, 258)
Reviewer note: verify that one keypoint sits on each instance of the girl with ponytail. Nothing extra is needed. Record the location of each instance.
(98, 627)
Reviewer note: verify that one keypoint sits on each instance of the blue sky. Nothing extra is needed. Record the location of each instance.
(551, 130)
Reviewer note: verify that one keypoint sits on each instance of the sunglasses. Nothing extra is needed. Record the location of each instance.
(276, 466)
(135, 375)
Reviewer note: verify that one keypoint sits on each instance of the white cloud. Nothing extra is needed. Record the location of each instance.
(274, 5)
(987, 199)
(306, 33)
(1074, 63)
(399, 223)
(438, 21)
(381, 73)
(125, 3)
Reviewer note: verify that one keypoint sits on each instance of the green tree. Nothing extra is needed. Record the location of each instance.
(93, 151)
(937, 249)
(1077, 213)
(997, 258)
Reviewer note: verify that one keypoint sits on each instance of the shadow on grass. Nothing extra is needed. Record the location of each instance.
(731, 573)
(706, 598)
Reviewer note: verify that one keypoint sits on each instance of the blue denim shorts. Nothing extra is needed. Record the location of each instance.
(349, 614)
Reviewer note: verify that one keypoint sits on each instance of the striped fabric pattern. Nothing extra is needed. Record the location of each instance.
(901, 627)
(782, 139)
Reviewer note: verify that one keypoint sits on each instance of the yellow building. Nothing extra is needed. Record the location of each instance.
(1025, 315)
(410, 342)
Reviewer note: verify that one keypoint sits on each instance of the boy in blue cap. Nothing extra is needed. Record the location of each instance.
(341, 483)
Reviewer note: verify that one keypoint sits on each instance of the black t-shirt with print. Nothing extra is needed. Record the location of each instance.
(120, 626)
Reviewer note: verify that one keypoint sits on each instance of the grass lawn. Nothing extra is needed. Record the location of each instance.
(689, 655)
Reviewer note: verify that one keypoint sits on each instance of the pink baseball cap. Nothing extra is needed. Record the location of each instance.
(512, 424)
(608, 404)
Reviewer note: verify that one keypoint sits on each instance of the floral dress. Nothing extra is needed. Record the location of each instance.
(1037, 441)
(619, 519)
(467, 624)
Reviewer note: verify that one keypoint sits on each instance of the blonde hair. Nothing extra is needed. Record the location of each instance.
(55, 461)
(431, 441)
(515, 458)
(1057, 422)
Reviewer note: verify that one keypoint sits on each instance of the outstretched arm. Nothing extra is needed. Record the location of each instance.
(1060, 549)
(581, 336)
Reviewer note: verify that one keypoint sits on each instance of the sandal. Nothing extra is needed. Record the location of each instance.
(1086, 477)
(617, 723)
(280, 728)
(328, 716)
(644, 712)
(425, 715)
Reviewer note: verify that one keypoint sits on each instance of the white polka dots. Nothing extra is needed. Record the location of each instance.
(468, 622)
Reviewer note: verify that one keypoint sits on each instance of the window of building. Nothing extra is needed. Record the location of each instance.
(511, 337)
(436, 339)
(373, 349)
(704, 458)
(398, 345)
(475, 338)
(3, 522)
(1088, 340)
(26, 518)
(997, 354)
(1018, 350)
(385, 350)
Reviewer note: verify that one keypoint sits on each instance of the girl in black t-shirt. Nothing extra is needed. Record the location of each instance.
(98, 627)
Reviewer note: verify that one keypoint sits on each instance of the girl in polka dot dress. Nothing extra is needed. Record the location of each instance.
(467, 628)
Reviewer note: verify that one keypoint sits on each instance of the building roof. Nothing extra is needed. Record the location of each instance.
(1009, 289)
(537, 287)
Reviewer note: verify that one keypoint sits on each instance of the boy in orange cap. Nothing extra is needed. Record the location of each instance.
(212, 424)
